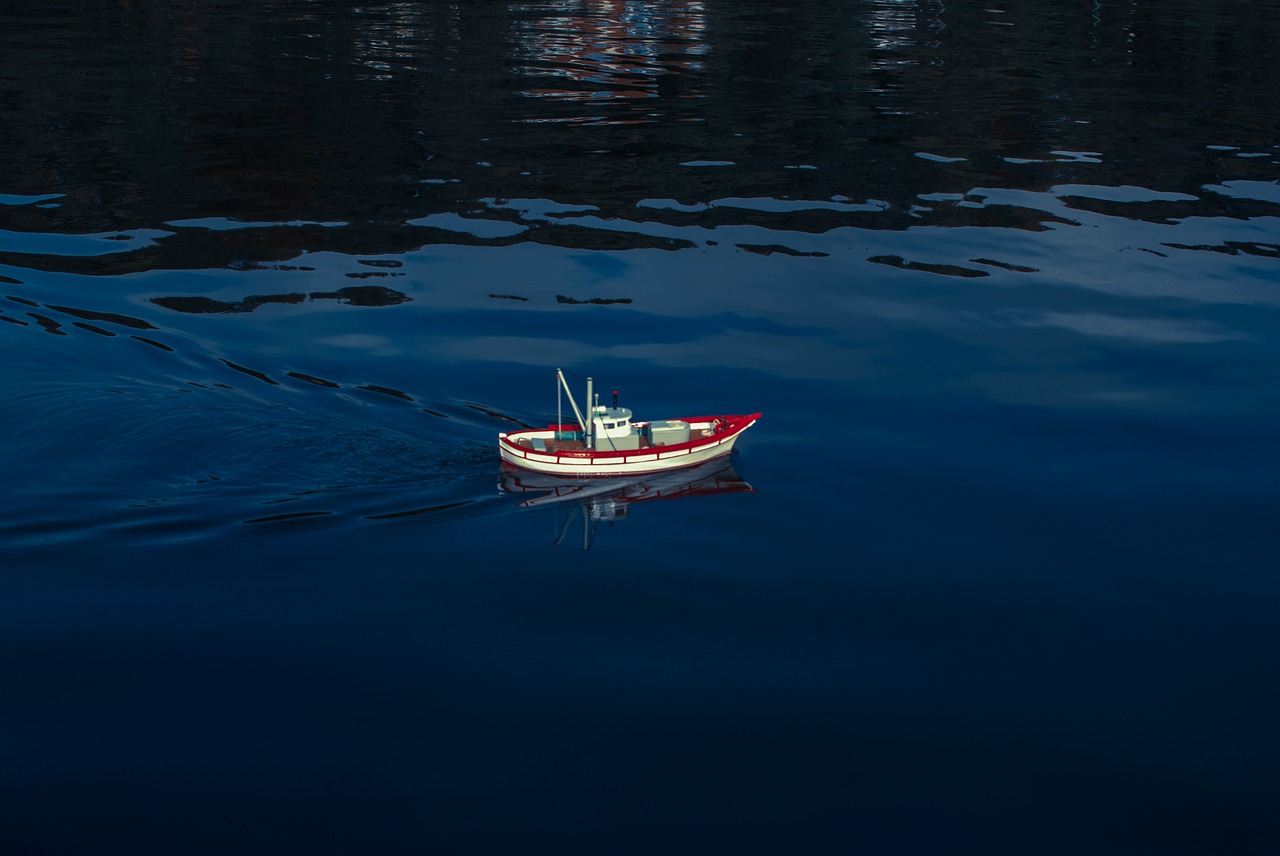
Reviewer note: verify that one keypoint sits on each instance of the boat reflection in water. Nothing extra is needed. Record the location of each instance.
(589, 501)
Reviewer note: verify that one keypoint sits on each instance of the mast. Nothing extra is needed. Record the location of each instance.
(586, 426)
(591, 418)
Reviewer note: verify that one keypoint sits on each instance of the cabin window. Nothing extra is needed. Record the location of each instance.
(610, 424)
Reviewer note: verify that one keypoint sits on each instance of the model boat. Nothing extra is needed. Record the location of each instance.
(610, 443)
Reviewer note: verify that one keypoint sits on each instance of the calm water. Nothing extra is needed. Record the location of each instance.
(995, 573)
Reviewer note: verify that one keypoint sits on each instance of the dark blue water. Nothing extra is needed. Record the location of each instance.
(994, 573)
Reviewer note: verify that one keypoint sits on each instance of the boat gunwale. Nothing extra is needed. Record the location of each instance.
(736, 424)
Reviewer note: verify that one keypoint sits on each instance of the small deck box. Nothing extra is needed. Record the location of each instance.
(668, 432)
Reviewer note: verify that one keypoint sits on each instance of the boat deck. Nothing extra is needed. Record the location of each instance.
(554, 446)
(541, 441)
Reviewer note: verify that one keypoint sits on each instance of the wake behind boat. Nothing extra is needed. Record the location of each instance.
(612, 444)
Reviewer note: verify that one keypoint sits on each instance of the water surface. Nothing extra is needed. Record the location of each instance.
(994, 572)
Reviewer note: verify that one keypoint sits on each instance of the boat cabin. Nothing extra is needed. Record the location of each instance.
(612, 430)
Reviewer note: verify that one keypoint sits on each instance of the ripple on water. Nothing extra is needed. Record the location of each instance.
(133, 448)
(148, 460)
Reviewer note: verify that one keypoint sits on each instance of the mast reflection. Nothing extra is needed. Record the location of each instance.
(587, 502)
